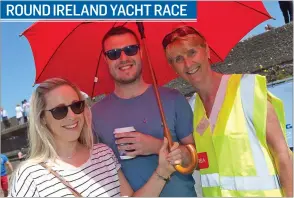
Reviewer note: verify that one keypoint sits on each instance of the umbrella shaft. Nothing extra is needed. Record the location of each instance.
(155, 88)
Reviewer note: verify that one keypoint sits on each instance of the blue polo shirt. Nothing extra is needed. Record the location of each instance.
(142, 112)
(4, 159)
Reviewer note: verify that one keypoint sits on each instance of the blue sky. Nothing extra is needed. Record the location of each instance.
(17, 63)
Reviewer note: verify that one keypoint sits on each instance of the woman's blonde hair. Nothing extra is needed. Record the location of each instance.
(41, 141)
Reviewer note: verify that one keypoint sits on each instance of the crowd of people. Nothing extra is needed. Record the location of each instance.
(21, 113)
(117, 147)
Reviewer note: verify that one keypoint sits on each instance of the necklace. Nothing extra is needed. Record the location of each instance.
(69, 157)
(72, 155)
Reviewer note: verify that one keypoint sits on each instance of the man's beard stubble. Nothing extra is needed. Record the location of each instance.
(131, 80)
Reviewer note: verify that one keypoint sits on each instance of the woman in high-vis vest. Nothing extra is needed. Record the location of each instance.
(239, 126)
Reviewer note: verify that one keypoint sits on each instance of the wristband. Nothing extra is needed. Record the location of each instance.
(163, 178)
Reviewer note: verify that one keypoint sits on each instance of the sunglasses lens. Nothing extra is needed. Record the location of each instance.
(59, 112)
(178, 32)
(78, 107)
(113, 54)
(131, 50)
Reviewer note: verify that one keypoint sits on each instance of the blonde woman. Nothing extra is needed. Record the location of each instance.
(62, 158)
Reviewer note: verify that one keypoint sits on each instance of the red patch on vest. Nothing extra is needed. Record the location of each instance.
(203, 160)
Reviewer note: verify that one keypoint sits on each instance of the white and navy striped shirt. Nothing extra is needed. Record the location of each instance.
(97, 177)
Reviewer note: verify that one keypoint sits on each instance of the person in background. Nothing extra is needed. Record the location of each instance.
(4, 178)
(25, 119)
(268, 27)
(287, 10)
(26, 109)
(19, 114)
(4, 117)
(21, 155)
(239, 127)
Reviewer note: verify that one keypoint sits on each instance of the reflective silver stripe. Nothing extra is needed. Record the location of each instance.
(262, 180)
(247, 86)
(268, 182)
(210, 180)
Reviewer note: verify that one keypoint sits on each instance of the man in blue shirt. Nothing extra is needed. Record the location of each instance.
(4, 179)
(133, 103)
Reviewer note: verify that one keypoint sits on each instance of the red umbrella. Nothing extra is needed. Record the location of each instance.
(72, 50)
(62, 47)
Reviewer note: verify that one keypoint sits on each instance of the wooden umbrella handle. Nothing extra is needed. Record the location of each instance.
(193, 154)
(194, 160)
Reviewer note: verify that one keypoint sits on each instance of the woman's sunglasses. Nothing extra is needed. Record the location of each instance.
(179, 32)
(130, 50)
(61, 112)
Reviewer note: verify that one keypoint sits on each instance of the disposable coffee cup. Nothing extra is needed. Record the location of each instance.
(124, 130)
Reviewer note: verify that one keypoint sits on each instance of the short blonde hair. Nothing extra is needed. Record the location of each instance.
(41, 141)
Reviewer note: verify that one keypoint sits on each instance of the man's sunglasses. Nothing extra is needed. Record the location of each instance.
(130, 50)
(179, 32)
(61, 112)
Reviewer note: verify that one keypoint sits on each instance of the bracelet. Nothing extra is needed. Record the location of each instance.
(163, 178)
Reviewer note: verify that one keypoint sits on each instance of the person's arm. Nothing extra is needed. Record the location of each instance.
(9, 165)
(143, 144)
(184, 127)
(152, 188)
(156, 182)
(182, 152)
(280, 151)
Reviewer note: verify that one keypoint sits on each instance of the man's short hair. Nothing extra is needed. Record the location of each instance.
(119, 30)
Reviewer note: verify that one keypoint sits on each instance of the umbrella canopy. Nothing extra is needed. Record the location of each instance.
(73, 50)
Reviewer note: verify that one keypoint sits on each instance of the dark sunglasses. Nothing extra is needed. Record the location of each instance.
(61, 112)
(130, 50)
(179, 32)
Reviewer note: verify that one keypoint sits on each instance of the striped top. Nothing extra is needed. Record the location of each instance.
(98, 177)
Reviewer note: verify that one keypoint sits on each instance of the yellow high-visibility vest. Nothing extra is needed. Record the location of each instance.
(235, 159)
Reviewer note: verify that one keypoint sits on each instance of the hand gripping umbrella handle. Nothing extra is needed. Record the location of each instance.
(194, 160)
(192, 150)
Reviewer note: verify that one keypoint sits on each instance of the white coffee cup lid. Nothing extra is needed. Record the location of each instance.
(126, 157)
(124, 129)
